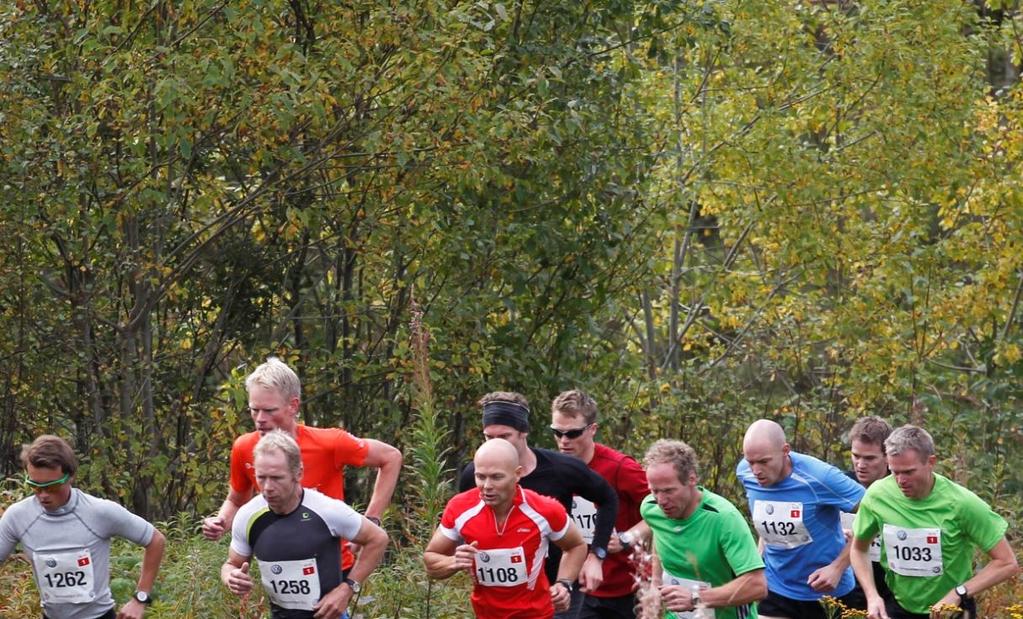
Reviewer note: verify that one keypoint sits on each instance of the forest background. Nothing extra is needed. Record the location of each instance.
(701, 212)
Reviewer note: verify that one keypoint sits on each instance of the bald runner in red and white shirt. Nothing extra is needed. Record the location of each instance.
(509, 579)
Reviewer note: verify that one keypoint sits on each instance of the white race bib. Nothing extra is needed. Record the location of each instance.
(875, 544)
(501, 567)
(584, 513)
(780, 523)
(667, 578)
(913, 552)
(65, 577)
(291, 584)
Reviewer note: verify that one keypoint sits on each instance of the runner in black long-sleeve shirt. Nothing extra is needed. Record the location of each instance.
(506, 415)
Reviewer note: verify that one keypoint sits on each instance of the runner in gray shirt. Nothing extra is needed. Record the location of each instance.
(66, 535)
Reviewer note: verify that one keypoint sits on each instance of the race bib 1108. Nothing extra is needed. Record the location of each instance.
(501, 567)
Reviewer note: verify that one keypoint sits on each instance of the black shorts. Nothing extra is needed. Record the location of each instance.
(623, 607)
(110, 614)
(775, 605)
(898, 612)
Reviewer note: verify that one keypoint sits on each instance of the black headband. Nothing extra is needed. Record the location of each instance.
(502, 412)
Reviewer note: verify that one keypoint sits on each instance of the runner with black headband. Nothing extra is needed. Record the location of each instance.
(546, 472)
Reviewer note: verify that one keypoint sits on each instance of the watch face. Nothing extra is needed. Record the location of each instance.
(601, 553)
(142, 596)
(356, 587)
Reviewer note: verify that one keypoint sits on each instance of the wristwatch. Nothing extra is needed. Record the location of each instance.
(566, 583)
(600, 553)
(354, 584)
(143, 598)
(961, 591)
(625, 539)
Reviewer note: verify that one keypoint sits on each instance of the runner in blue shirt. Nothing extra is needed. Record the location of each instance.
(795, 501)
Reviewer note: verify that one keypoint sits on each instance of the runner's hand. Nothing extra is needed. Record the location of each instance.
(876, 609)
(592, 574)
(826, 578)
(213, 528)
(334, 603)
(676, 598)
(561, 597)
(465, 556)
(238, 580)
(132, 610)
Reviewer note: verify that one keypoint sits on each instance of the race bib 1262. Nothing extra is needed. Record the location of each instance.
(65, 577)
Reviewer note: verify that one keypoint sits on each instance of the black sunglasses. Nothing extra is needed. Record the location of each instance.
(570, 434)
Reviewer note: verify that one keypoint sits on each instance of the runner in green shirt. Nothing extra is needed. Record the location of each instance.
(700, 539)
(929, 527)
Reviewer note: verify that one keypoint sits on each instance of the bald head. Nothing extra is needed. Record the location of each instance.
(767, 452)
(497, 473)
(497, 452)
(766, 433)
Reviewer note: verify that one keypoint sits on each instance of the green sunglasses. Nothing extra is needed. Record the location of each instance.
(47, 484)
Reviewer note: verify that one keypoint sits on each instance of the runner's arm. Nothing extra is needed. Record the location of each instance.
(574, 552)
(214, 527)
(234, 573)
(151, 558)
(825, 579)
(387, 460)
(1002, 566)
(640, 534)
(595, 489)
(743, 589)
(859, 556)
(373, 541)
(443, 557)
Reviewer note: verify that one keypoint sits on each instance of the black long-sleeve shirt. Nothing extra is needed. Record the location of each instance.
(561, 477)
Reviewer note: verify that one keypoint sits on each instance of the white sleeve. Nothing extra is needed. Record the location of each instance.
(343, 521)
(239, 529)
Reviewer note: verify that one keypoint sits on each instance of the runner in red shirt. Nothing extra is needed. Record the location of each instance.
(574, 423)
(499, 532)
(274, 399)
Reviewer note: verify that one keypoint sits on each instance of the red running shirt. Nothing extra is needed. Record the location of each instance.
(628, 479)
(509, 579)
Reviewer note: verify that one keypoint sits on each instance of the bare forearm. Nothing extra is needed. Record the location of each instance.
(151, 559)
(439, 566)
(864, 571)
(572, 562)
(387, 479)
(228, 510)
(368, 560)
(842, 560)
(995, 572)
(746, 588)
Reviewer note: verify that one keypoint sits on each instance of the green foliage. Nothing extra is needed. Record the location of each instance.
(701, 212)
